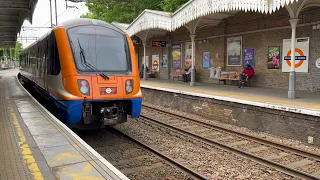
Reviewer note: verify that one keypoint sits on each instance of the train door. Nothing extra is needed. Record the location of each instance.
(35, 65)
(45, 67)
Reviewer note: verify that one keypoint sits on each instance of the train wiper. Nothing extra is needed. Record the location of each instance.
(88, 65)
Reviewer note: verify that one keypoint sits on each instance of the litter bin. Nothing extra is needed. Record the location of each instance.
(218, 72)
(212, 72)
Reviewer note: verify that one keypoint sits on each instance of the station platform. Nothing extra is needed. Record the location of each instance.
(307, 103)
(36, 145)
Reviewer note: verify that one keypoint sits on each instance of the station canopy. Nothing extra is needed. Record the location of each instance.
(12, 15)
(200, 11)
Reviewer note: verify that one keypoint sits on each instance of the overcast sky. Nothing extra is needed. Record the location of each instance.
(41, 18)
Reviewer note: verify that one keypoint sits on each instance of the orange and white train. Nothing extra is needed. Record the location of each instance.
(89, 69)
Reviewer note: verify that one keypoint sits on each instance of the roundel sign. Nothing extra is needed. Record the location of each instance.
(301, 58)
(155, 65)
(108, 90)
(301, 55)
(318, 63)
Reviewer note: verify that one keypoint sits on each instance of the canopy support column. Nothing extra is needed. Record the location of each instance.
(193, 71)
(144, 61)
(292, 77)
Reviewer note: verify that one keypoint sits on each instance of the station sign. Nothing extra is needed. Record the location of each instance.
(318, 63)
(301, 55)
(159, 43)
(155, 63)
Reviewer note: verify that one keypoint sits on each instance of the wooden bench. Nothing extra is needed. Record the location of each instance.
(151, 74)
(224, 78)
(177, 74)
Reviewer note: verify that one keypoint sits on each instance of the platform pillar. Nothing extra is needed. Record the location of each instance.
(144, 62)
(193, 71)
(292, 76)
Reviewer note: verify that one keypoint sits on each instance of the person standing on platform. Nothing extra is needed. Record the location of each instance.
(247, 73)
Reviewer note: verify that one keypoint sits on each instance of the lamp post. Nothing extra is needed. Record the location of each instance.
(51, 14)
(55, 4)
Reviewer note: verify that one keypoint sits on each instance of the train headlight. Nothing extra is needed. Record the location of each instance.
(129, 86)
(84, 87)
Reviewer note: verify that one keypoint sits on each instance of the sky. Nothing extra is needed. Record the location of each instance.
(41, 18)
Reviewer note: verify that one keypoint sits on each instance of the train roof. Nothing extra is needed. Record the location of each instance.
(78, 22)
(85, 21)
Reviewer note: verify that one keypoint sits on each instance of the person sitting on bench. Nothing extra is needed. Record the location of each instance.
(247, 73)
(186, 74)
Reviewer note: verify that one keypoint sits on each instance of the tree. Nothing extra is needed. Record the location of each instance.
(17, 49)
(172, 5)
(125, 11)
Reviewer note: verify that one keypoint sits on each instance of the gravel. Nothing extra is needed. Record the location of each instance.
(209, 161)
(311, 168)
(248, 146)
(130, 158)
(289, 159)
(268, 152)
(163, 173)
(266, 136)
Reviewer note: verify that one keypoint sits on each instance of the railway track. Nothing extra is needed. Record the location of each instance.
(294, 162)
(136, 159)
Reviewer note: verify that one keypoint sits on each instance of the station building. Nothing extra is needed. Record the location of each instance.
(229, 36)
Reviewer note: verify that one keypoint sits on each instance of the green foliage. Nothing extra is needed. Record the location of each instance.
(125, 11)
(172, 5)
(15, 52)
(18, 49)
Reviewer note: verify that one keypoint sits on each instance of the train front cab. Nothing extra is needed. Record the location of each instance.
(102, 96)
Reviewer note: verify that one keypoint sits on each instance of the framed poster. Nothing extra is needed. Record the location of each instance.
(206, 56)
(301, 55)
(274, 55)
(176, 56)
(248, 57)
(165, 61)
(234, 51)
(188, 54)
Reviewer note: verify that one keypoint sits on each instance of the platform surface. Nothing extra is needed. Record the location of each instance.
(35, 145)
(307, 103)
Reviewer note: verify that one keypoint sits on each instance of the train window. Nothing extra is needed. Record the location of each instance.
(104, 48)
(53, 63)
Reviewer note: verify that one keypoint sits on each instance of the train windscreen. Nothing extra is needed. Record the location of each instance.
(97, 48)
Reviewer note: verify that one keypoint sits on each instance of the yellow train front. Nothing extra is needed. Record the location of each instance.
(89, 69)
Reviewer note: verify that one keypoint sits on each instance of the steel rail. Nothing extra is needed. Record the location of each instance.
(260, 160)
(187, 170)
(246, 136)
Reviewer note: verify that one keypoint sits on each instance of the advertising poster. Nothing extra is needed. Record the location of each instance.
(188, 54)
(165, 61)
(301, 54)
(248, 57)
(206, 56)
(274, 57)
(176, 57)
(234, 46)
(155, 63)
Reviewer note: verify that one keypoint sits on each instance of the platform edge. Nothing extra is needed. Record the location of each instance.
(83, 143)
(246, 102)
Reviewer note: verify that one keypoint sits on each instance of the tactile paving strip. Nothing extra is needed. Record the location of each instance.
(12, 165)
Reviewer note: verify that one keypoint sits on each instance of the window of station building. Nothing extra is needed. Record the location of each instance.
(53, 63)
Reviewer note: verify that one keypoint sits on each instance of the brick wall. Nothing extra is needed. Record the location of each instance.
(244, 23)
(286, 124)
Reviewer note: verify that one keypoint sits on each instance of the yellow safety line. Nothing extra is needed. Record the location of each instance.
(26, 152)
(263, 99)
